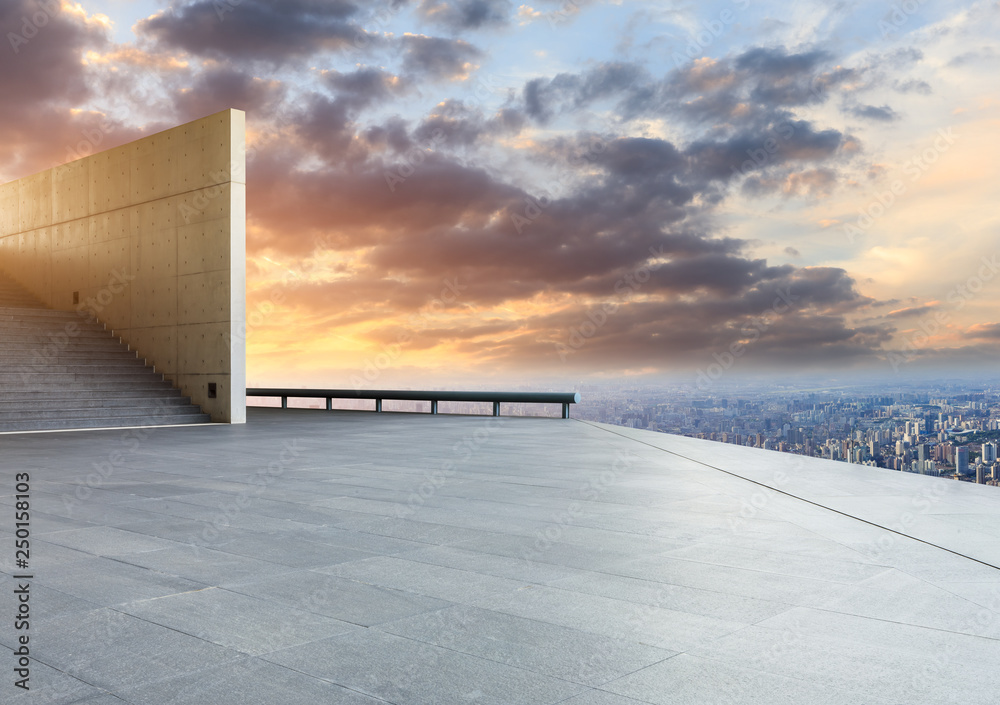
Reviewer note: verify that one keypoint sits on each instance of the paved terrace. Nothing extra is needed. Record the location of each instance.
(347, 557)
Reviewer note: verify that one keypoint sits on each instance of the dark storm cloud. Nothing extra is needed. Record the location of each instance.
(877, 113)
(458, 15)
(256, 30)
(437, 58)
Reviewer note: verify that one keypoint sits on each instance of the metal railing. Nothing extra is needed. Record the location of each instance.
(564, 398)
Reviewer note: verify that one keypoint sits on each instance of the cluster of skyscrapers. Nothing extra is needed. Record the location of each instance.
(932, 431)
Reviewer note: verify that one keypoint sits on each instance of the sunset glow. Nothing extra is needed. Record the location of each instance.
(476, 193)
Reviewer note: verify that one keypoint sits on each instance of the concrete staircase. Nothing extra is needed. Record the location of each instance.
(59, 370)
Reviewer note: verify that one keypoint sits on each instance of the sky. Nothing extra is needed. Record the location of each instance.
(482, 193)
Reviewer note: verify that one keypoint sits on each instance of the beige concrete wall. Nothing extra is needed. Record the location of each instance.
(151, 238)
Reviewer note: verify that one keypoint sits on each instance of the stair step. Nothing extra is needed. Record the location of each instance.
(109, 422)
(55, 348)
(36, 312)
(12, 392)
(128, 375)
(64, 369)
(10, 362)
(112, 412)
(58, 336)
(113, 369)
(34, 395)
(76, 402)
(16, 323)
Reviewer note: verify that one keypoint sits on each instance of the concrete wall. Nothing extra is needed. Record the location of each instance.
(151, 238)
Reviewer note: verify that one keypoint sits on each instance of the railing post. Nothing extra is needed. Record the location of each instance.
(378, 405)
(329, 403)
(434, 406)
(565, 410)
(284, 402)
(496, 408)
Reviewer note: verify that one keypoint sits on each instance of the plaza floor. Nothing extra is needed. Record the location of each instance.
(352, 557)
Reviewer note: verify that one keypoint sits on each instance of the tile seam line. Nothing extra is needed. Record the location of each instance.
(794, 496)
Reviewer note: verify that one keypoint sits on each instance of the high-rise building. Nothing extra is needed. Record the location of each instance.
(989, 453)
(962, 460)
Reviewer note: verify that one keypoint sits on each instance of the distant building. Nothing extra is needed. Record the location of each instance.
(962, 460)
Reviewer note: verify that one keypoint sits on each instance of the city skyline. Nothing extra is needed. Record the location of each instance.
(945, 428)
(480, 192)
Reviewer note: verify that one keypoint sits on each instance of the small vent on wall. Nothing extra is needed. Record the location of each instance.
(76, 297)
(212, 393)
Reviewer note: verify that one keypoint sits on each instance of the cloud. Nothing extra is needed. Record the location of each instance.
(438, 58)
(913, 85)
(43, 81)
(408, 205)
(222, 87)
(42, 63)
(912, 311)
(870, 112)
(984, 331)
(536, 228)
(454, 124)
(256, 30)
(459, 15)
